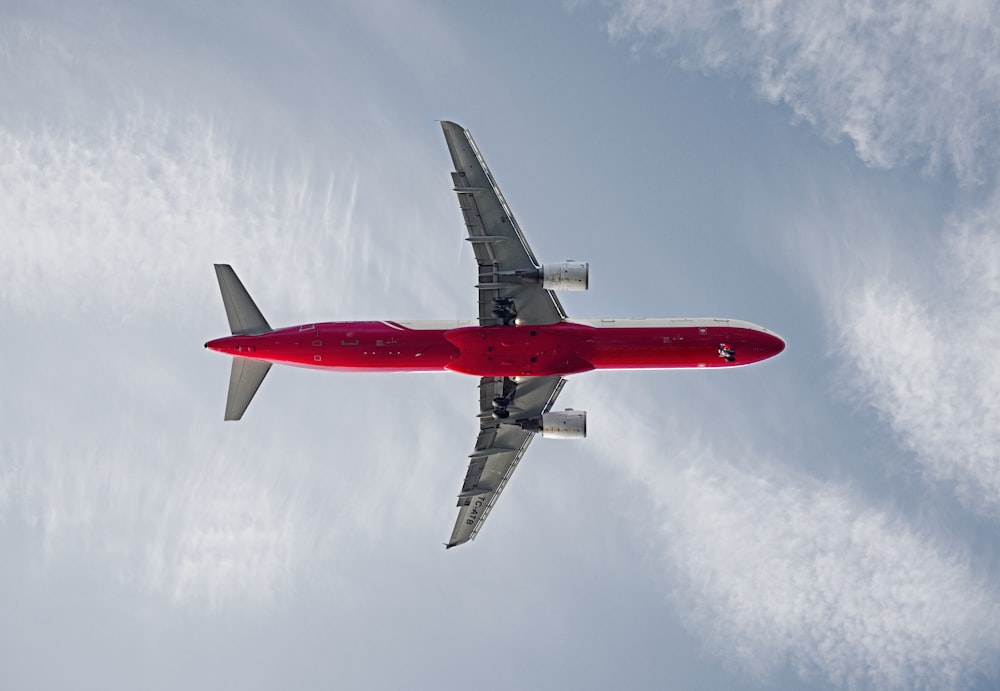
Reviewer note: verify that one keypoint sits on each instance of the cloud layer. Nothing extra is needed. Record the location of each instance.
(127, 214)
(921, 351)
(110, 231)
(901, 80)
(211, 534)
(777, 571)
(119, 224)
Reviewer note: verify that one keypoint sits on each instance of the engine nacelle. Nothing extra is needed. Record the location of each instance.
(569, 424)
(566, 276)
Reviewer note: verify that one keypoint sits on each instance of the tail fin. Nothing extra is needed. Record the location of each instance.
(244, 380)
(245, 319)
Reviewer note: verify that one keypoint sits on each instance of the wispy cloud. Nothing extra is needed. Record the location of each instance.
(921, 349)
(113, 213)
(202, 515)
(119, 222)
(902, 80)
(128, 213)
(777, 571)
(213, 532)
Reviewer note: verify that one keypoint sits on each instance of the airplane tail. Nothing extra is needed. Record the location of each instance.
(244, 380)
(245, 319)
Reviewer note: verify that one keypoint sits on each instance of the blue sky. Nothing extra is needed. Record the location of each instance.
(825, 519)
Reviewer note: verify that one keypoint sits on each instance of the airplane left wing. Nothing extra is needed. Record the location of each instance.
(497, 241)
(500, 445)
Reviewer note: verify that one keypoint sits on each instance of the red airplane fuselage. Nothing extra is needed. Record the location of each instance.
(510, 351)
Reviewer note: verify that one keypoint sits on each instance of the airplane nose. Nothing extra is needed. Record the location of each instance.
(765, 345)
(775, 345)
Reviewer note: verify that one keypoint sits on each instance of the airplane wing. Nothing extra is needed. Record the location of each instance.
(500, 446)
(500, 248)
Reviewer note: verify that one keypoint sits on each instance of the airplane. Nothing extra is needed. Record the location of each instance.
(521, 347)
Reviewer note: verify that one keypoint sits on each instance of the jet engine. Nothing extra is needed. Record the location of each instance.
(569, 424)
(566, 276)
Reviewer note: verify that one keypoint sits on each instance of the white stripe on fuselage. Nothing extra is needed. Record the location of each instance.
(432, 324)
(631, 323)
(669, 323)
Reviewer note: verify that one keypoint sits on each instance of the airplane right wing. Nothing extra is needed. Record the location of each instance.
(500, 446)
(499, 245)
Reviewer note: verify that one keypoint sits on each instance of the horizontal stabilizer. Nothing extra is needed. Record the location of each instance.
(244, 381)
(244, 317)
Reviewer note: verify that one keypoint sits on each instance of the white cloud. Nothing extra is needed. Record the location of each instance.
(902, 80)
(119, 222)
(165, 499)
(210, 533)
(115, 219)
(774, 570)
(921, 350)
(119, 225)
(784, 572)
(129, 213)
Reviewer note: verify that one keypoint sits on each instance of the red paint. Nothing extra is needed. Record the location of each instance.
(554, 349)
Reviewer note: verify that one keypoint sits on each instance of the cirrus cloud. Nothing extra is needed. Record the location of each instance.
(920, 350)
(775, 570)
(901, 80)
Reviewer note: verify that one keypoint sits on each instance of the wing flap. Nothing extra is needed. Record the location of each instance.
(497, 241)
(499, 447)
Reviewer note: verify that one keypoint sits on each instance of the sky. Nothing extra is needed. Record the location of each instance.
(826, 519)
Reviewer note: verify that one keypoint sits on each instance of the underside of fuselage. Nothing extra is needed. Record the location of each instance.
(538, 350)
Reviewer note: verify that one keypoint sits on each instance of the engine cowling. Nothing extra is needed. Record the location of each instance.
(566, 276)
(569, 424)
